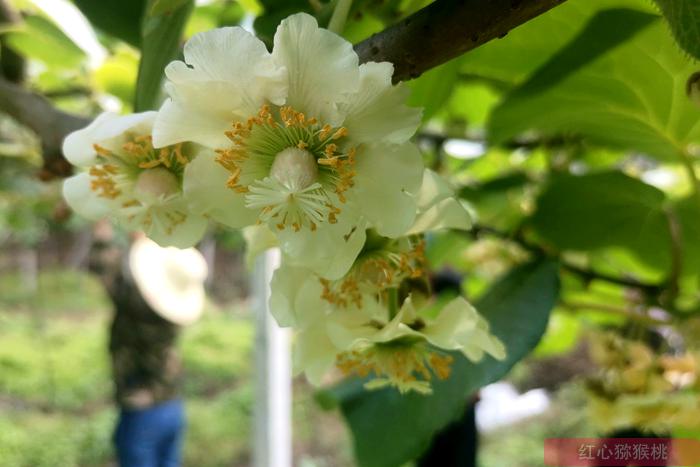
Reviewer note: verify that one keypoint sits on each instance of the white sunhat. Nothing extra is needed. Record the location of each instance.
(169, 279)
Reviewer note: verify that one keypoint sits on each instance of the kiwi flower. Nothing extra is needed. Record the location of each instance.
(307, 141)
(125, 178)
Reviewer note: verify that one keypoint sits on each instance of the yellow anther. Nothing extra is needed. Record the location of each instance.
(330, 149)
(340, 132)
(101, 151)
(177, 150)
(149, 164)
(325, 131)
(302, 144)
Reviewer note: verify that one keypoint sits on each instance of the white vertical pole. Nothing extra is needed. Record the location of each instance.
(273, 427)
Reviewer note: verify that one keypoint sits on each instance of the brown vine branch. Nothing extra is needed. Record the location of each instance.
(444, 30)
(441, 31)
(585, 274)
(48, 122)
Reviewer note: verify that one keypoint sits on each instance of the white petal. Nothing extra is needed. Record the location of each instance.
(182, 235)
(377, 112)
(234, 56)
(227, 76)
(349, 327)
(322, 67)
(386, 175)
(437, 206)
(455, 319)
(78, 147)
(176, 123)
(284, 286)
(84, 201)
(314, 354)
(446, 214)
(330, 251)
(205, 190)
(258, 238)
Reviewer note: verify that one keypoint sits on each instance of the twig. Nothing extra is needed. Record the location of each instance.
(584, 273)
(48, 122)
(444, 30)
(619, 310)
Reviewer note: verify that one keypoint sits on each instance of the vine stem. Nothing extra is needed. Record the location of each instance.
(692, 174)
(340, 16)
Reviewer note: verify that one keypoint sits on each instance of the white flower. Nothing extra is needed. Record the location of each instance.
(309, 142)
(125, 178)
(352, 327)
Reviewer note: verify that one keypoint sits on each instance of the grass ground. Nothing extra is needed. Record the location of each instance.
(55, 407)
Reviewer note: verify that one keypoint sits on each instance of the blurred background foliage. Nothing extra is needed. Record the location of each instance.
(574, 139)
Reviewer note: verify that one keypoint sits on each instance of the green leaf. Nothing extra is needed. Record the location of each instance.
(390, 429)
(275, 11)
(40, 39)
(602, 210)
(434, 88)
(687, 211)
(119, 18)
(563, 332)
(512, 59)
(684, 18)
(160, 7)
(117, 75)
(161, 44)
(629, 98)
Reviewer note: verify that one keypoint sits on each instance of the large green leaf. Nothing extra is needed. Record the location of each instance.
(630, 98)
(684, 18)
(390, 429)
(601, 210)
(40, 39)
(119, 18)
(161, 44)
(510, 60)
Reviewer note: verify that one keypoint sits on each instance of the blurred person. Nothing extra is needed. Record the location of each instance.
(155, 291)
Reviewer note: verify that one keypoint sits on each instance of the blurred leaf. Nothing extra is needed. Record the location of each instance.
(632, 97)
(390, 429)
(432, 90)
(275, 11)
(684, 18)
(117, 75)
(444, 249)
(472, 103)
(562, 335)
(40, 39)
(513, 58)
(687, 211)
(119, 18)
(160, 7)
(601, 210)
(161, 43)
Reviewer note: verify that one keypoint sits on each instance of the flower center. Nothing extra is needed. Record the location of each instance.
(406, 365)
(294, 170)
(157, 182)
(376, 271)
(122, 170)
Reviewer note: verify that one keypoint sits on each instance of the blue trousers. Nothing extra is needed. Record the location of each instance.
(150, 437)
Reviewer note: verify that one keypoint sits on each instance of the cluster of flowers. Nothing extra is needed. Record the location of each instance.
(312, 147)
(638, 388)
